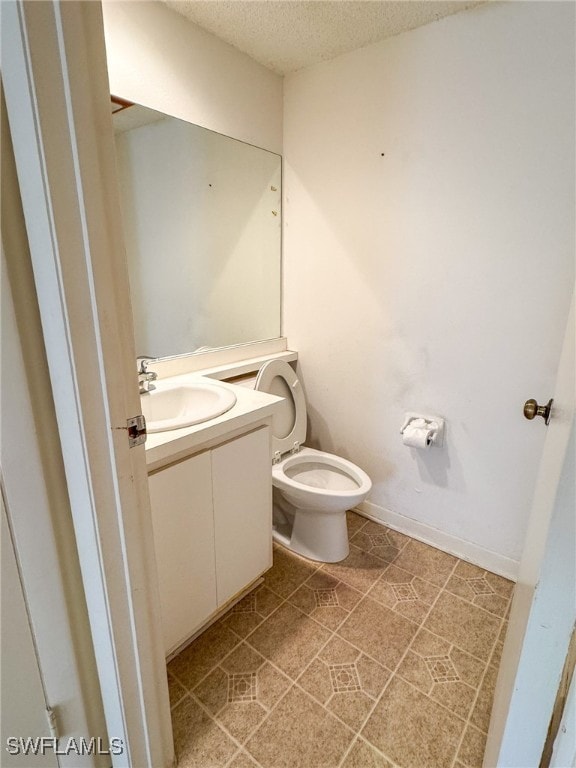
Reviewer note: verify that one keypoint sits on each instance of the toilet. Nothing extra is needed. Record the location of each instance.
(312, 489)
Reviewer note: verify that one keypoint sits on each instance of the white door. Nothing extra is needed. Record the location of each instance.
(544, 606)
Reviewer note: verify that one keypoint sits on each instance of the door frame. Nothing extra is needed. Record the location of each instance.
(56, 88)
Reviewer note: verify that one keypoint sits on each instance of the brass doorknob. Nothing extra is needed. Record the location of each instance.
(532, 409)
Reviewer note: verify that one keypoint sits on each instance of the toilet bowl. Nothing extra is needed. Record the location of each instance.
(312, 489)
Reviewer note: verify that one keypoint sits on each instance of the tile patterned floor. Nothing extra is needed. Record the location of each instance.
(386, 660)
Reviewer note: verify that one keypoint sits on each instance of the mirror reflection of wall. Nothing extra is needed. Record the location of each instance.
(203, 234)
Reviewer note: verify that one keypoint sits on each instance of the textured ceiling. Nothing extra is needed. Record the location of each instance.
(286, 35)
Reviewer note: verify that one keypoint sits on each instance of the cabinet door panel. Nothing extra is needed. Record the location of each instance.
(242, 491)
(181, 500)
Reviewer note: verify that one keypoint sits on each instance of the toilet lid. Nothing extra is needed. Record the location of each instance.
(289, 421)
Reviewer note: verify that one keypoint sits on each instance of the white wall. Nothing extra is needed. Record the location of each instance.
(158, 58)
(429, 247)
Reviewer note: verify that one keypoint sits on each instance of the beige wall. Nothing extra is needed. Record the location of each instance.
(429, 248)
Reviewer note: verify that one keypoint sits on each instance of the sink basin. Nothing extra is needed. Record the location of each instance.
(183, 405)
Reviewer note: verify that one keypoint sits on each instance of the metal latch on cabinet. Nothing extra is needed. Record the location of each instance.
(136, 427)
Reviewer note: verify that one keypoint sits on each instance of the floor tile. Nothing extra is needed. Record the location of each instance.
(347, 597)
(195, 661)
(288, 572)
(243, 760)
(373, 676)
(496, 657)
(315, 680)
(353, 708)
(471, 752)
(241, 690)
(252, 610)
(363, 755)
(470, 628)
(243, 677)
(355, 522)
(328, 605)
(176, 691)
(241, 718)
(366, 663)
(501, 586)
(242, 659)
(213, 691)
(198, 740)
(426, 562)
(320, 579)
(404, 593)
(338, 651)
(345, 680)
(380, 541)
(493, 603)
(443, 672)
(499, 647)
(272, 684)
(299, 733)
(289, 639)
(480, 716)
(438, 679)
(378, 632)
(413, 730)
(360, 569)
(338, 654)
(480, 587)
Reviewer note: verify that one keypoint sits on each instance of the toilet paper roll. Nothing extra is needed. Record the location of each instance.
(417, 437)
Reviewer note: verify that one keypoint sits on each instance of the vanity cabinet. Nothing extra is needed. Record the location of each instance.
(183, 523)
(212, 520)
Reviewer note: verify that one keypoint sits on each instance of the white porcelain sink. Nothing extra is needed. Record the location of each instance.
(173, 406)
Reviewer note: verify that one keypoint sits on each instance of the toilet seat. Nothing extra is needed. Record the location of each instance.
(319, 474)
(276, 377)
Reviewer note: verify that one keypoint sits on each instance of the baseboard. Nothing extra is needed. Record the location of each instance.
(465, 550)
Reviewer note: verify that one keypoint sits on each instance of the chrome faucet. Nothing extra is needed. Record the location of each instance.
(145, 377)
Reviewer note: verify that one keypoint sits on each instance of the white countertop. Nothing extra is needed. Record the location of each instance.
(251, 407)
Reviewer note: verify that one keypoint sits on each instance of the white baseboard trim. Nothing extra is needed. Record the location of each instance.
(465, 550)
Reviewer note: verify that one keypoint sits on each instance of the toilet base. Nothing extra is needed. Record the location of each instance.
(316, 535)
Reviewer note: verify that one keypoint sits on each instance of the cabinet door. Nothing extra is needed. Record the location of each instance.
(181, 500)
(242, 491)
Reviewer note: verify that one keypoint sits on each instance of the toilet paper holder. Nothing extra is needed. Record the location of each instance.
(433, 422)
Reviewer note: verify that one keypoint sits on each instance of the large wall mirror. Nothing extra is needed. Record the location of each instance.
(202, 223)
